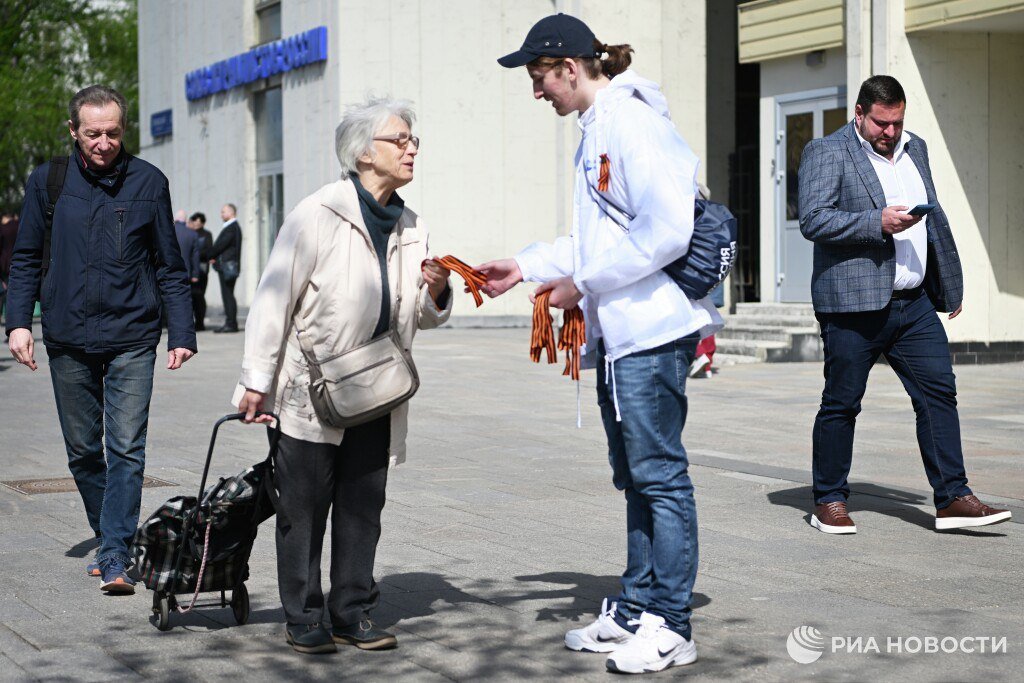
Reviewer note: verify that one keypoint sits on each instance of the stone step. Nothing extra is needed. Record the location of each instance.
(764, 332)
(732, 358)
(758, 309)
(788, 321)
(763, 351)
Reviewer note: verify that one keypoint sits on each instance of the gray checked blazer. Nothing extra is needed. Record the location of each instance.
(841, 204)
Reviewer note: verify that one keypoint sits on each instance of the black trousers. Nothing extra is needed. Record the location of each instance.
(227, 294)
(199, 300)
(347, 481)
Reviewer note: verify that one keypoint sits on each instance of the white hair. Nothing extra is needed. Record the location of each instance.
(354, 135)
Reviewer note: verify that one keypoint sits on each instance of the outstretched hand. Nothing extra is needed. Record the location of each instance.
(502, 275)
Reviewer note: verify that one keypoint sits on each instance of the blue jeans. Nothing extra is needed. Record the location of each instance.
(650, 465)
(105, 397)
(909, 334)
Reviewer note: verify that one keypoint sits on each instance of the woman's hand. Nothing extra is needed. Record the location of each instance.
(501, 276)
(436, 276)
(252, 403)
(564, 293)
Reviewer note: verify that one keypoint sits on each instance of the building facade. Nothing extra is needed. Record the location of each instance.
(962, 66)
(240, 98)
(495, 170)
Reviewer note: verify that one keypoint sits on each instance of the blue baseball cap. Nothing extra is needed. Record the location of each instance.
(559, 35)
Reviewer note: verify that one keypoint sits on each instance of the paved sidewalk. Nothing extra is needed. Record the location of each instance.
(503, 530)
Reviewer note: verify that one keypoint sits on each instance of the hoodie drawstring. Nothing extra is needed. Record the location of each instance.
(609, 371)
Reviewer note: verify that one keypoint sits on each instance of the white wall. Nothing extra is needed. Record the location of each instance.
(964, 97)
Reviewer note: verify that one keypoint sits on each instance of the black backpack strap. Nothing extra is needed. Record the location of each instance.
(54, 186)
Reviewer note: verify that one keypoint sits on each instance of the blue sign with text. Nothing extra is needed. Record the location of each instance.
(260, 62)
(161, 123)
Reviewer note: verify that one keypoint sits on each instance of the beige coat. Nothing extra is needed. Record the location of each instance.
(324, 269)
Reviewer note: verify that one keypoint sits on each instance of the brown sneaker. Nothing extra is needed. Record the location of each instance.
(968, 511)
(831, 518)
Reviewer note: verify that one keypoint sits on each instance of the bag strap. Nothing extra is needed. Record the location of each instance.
(54, 186)
(398, 300)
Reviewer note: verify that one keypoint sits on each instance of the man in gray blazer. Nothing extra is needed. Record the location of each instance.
(880, 274)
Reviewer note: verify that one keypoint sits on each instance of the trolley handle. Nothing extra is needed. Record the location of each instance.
(275, 436)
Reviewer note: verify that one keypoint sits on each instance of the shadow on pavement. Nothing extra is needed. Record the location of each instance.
(884, 500)
(83, 548)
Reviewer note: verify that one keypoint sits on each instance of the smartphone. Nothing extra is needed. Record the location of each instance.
(921, 210)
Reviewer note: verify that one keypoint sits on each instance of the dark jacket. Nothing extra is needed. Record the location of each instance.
(205, 240)
(8, 233)
(841, 204)
(114, 261)
(228, 245)
(188, 243)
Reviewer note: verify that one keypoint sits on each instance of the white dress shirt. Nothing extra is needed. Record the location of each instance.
(901, 182)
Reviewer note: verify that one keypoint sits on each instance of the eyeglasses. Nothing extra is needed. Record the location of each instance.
(401, 139)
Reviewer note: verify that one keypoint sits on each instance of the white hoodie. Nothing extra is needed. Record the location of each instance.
(628, 300)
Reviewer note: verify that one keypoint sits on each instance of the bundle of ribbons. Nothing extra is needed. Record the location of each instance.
(474, 278)
(571, 337)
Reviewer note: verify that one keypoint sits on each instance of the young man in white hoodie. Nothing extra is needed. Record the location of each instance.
(633, 215)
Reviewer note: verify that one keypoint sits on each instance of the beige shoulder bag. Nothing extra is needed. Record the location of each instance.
(365, 382)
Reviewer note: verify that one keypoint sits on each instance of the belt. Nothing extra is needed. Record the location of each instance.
(907, 293)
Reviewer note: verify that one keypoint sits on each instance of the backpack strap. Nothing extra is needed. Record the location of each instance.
(54, 186)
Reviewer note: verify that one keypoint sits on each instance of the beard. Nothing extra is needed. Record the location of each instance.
(883, 146)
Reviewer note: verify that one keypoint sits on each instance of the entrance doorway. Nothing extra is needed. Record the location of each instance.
(799, 118)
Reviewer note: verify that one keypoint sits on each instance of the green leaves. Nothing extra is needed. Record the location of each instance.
(50, 49)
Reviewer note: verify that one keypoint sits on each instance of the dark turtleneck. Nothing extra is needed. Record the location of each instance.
(380, 222)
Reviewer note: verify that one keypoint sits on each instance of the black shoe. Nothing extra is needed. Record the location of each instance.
(226, 328)
(309, 639)
(365, 636)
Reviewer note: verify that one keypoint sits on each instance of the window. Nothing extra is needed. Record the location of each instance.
(269, 134)
(267, 111)
(268, 21)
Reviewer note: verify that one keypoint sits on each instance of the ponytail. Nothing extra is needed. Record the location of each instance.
(614, 58)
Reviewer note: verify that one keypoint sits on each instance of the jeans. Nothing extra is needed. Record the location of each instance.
(650, 465)
(910, 335)
(227, 294)
(345, 482)
(105, 398)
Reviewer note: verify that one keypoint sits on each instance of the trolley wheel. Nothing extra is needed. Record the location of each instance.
(240, 603)
(162, 607)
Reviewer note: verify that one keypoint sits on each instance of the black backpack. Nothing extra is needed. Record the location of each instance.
(54, 186)
(712, 251)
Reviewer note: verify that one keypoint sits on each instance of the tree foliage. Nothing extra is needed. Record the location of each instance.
(50, 49)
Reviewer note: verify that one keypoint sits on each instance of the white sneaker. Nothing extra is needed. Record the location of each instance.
(699, 366)
(603, 635)
(653, 648)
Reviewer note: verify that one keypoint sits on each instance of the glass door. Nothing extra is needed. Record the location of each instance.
(798, 121)
(270, 211)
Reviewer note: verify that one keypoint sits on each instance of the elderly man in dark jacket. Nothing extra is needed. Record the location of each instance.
(113, 265)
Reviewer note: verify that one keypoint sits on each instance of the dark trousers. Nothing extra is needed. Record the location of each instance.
(199, 300)
(347, 481)
(227, 293)
(909, 334)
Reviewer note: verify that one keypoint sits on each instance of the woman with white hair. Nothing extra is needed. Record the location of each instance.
(349, 268)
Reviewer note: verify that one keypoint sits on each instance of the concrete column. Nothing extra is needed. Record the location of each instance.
(858, 46)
